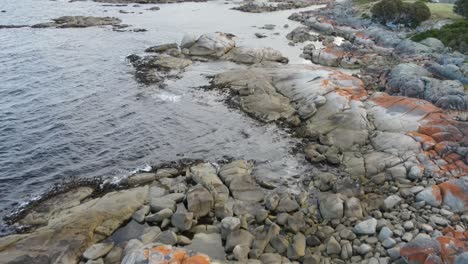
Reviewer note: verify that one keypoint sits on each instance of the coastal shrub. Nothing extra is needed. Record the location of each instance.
(399, 12)
(454, 35)
(418, 12)
(461, 7)
(387, 10)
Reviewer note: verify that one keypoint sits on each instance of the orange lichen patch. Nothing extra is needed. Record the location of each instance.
(437, 193)
(452, 157)
(419, 253)
(164, 254)
(197, 259)
(432, 154)
(442, 132)
(400, 104)
(179, 256)
(443, 147)
(347, 86)
(455, 190)
(450, 247)
(448, 231)
(463, 167)
(426, 141)
(164, 250)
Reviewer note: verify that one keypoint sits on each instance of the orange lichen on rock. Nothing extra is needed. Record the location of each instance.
(444, 248)
(426, 141)
(164, 254)
(401, 104)
(348, 86)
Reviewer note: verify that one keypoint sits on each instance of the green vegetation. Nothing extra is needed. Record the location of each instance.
(443, 11)
(461, 8)
(454, 35)
(397, 11)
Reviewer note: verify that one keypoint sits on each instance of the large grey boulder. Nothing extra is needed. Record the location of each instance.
(212, 44)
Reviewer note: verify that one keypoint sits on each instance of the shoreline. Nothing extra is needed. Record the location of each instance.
(394, 185)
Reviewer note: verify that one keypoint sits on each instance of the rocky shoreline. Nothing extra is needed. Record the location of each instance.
(394, 137)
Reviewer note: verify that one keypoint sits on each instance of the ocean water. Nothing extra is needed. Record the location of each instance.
(70, 107)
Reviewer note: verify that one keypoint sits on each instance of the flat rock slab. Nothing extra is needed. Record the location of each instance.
(70, 232)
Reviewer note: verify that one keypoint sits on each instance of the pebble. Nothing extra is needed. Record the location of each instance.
(333, 247)
(389, 243)
(384, 233)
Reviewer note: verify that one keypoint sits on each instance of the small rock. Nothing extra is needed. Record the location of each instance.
(366, 227)
(168, 237)
(183, 221)
(392, 201)
(228, 225)
(297, 248)
(385, 233)
(159, 216)
(158, 204)
(238, 237)
(333, 247)
(241, 252)
(98, 250)
(389, 243)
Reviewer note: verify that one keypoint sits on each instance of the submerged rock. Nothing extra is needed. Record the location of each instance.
(79, 22)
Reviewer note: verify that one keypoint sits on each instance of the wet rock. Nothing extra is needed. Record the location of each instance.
(301, 34)
(79, 22)
(162, 47)
(260, 35)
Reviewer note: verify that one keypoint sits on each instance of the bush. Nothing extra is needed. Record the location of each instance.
(387, 10)
(454, 35)
(461, 8)
(419, 12)
(396, 11)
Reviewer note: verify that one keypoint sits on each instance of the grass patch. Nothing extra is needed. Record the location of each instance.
(454, 35)
(443, 11)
